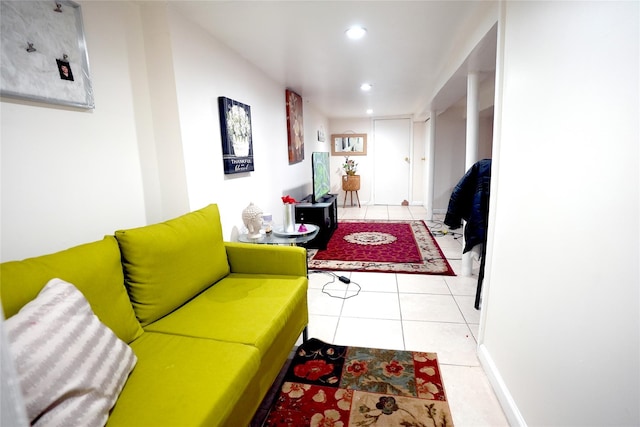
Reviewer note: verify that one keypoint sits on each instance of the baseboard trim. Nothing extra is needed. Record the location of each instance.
(509, 406)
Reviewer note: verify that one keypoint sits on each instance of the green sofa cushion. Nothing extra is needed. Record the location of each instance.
(181, 381)
(245, 308)
(94, 268)
(166, 264)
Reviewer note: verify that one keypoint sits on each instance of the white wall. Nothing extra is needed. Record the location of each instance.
(485, 137)
(449, 154)
(205, 70)
(480, 23)
(71, 176)
(151, 149)
(560, 327)
(451, 135)
(314, 120)
(164, 159)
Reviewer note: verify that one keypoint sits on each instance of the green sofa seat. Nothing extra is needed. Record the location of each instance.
(181, 381)
(245, 308)
(267, 312)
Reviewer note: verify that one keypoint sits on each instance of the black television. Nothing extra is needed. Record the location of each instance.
(320, 166)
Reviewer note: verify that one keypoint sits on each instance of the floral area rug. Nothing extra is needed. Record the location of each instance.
(330, 385)
(382, 246)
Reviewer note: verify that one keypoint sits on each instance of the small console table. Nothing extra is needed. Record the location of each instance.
(324, 214)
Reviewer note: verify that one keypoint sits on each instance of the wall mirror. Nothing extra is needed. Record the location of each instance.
(349, 144)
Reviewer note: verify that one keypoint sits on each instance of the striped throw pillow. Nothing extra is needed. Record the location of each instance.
(71, 367)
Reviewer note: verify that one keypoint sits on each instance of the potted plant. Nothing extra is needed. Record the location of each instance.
(349, 166)
(350, 181)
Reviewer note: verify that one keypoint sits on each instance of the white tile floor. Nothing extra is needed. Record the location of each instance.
(411, 312)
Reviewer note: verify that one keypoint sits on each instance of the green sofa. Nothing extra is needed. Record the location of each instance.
(210, 322)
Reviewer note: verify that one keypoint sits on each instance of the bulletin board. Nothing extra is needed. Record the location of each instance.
(43, 53)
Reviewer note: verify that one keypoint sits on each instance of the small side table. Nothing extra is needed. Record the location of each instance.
(350, 183)
(275, 238)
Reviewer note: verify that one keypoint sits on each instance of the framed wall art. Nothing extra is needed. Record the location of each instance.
(43, 55)
(235, 130)
(349, 144)
(321, 135)
(295, 127)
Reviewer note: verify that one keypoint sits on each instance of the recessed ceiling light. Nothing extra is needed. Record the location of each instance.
(356, 32)
(366, 87)
(369, 111)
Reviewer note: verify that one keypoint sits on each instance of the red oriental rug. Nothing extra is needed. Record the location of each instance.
(331, 385)
(382, 246)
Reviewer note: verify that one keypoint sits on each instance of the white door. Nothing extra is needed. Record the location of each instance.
(392, 163)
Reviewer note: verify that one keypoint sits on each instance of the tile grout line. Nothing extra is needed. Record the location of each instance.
(404, 340)
(466, 322)
(335, 332)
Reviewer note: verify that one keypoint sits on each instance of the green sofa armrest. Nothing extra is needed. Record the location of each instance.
(252, 258)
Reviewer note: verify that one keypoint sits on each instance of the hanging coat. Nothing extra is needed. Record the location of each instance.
(470, 201)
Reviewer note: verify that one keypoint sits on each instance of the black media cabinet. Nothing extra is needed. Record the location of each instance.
(324, 214)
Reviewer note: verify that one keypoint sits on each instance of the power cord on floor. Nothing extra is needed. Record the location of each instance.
(343, 279)
(438, 230)
(440, 233)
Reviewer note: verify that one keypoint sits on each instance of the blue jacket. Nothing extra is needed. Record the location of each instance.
(470, 201)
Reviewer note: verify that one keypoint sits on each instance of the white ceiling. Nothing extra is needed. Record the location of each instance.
(302, 45)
